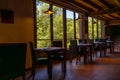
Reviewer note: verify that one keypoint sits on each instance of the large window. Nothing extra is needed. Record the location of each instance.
(77, 27)
(57, 23)
(95, 28)
(51, 26)
(43, 24)
(70, 26)
(99, 29)
(90, 28)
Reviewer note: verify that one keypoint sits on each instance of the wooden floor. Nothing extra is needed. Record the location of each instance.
(105, 68)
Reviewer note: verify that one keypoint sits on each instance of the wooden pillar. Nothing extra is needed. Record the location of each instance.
(35, 27)
(51, 24)
(74, 25)
(64, 29)
(85, 26)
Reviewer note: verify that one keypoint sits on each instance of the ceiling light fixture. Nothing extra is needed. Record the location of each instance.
(49, 11)
(79, 18)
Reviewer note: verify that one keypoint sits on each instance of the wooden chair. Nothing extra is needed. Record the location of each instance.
(104, 45)
(58, 57)
(12, 60)
(100, 45)
(57, 43)
(110, 46)
(74, 50)
(37, 61)
(79, 51)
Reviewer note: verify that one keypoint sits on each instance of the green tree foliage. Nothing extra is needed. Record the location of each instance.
(99, 29)
(90, 27)
(43, 25)
(90, 33)
(57, 23)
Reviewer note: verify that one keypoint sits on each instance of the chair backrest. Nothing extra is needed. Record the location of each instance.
(103, 40)
(57, 43)
(12, 59)
(73, 46)
(97, 40)
(73, 42)
(82, 40)
(91, 41)
(85, 40)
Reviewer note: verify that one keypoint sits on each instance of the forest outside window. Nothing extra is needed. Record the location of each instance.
(42, 24)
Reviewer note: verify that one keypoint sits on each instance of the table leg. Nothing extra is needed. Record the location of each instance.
(49, 67)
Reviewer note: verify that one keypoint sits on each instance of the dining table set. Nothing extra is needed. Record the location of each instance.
(89, 48)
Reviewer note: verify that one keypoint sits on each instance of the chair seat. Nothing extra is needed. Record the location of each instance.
(41, 61)
(57, 57)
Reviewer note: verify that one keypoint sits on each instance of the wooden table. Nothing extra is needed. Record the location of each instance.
(51, 51)
(102, 47)
(86, 46)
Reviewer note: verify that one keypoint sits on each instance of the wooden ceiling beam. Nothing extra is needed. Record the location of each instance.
(93, 4)
(109, 11)
(104, 2)
(102, 17)
(63, 5)
(114, 17)
(106, 17)
(78, 4)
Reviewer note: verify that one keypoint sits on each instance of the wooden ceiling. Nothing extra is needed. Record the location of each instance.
(102, 9)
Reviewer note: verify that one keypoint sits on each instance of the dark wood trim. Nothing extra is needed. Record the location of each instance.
(34, 22)
(74, 25)
(51, 24)
(64, 29)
